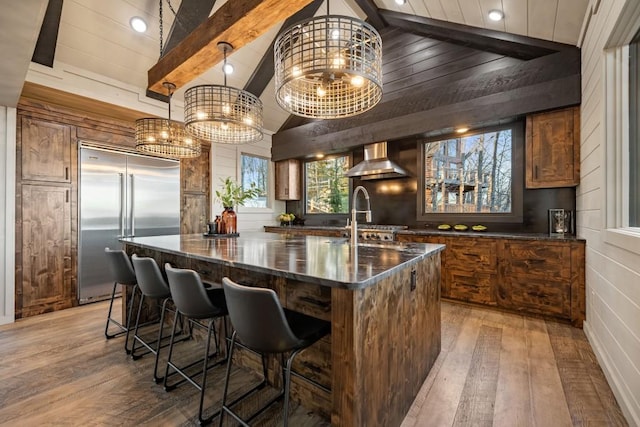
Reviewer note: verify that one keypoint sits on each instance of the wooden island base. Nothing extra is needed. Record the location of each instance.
(384, 339)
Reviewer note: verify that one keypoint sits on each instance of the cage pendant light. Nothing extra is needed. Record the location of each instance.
(223, 114)
(165, 137)
(328, 67)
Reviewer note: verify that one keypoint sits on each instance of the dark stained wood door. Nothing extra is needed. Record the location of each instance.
(195, 213)
(46, 151)
(553, 149)
(46, 250)
(195, 173)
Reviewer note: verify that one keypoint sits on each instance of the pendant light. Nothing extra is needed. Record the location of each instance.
(328, 67)
(164, 137)
(223, 114)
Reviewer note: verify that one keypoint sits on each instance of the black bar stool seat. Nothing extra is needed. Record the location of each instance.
(261, 324)
(198, 304)
(121, 273)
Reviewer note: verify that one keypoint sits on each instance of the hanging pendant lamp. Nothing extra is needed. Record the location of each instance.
(223, 114)
(164, 137)
(328, 67)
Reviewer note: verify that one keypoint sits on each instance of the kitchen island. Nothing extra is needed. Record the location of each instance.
(383, 302)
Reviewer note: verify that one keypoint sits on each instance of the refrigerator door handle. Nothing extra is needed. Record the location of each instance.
(132, 230)
(121, 219)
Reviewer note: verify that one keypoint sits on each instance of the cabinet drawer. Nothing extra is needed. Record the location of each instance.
(541, 260)
(477, 255)
(313, 300)
(470, 286)
(536, 295)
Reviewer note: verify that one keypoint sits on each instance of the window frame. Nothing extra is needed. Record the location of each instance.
(517, 180)
(304, 185)
(256, 152)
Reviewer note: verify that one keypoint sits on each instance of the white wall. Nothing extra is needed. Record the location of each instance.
(7, 213)
(225, 162)
(613, 249)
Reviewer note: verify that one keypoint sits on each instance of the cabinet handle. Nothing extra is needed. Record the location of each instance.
(66, 173)
(67, 196)
(535, 172)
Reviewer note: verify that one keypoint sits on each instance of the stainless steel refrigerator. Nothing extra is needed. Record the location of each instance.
(126, 195)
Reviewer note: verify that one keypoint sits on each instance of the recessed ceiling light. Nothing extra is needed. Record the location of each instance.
(462, 130)
(138, 24)
(496, 15)
(401, 2)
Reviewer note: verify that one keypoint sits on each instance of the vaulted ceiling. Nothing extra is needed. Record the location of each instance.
(94, 37)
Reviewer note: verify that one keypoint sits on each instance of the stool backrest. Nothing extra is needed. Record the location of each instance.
(120, 266)
(189, 294)
(258, 317)
(150, 280)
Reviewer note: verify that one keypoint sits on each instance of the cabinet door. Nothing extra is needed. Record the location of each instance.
(194, 173)
(536, 277)
(46, 151)
(471, 272)
(195, 214)
(552, 149)
(288, 180)
(46, 249)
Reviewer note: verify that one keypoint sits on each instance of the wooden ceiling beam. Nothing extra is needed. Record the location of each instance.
(237, 22)
(373, 13)
(45, 50)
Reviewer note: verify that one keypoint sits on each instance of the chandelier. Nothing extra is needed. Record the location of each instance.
(164, 137)
(223, 114)
(328, 67)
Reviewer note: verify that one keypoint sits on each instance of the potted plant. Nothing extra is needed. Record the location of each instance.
(286, 219)
(231, 195)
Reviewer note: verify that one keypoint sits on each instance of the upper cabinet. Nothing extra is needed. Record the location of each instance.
(288, 180)
(195, 173)
(553, 149)
(46, 150)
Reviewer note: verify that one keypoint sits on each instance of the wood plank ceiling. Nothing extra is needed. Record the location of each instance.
(94, 37)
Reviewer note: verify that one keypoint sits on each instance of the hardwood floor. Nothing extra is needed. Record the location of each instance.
(495, 369)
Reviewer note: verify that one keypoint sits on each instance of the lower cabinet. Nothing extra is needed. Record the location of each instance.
(44, 261)
(532, 276)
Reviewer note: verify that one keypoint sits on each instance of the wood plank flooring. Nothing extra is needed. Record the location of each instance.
(495, 369)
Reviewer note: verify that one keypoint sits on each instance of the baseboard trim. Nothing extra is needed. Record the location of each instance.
(625, 400)
(5, 320)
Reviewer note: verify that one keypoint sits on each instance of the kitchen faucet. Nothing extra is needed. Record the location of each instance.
(354, 212)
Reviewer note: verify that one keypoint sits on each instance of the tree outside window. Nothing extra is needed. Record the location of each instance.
(327, 187)
(255, 171)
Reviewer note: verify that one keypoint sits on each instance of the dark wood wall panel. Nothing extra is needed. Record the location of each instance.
(432, 85)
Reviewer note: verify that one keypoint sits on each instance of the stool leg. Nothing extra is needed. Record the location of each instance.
(226, 378)
(135, 333)
(166, 372)
(287, 386)
(204, 373)
(126, 341)
(156, 378)
(106, 328)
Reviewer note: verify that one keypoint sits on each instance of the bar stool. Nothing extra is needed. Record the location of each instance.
(197, 304)
(153, 286)
(122, 273)
(264, 326)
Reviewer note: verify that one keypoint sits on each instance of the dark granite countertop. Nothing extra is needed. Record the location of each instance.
(326, 261)
(433, 232)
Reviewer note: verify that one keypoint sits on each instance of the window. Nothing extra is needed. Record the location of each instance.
(327, 187)
(475, 176)
(255, 171)
(634, 132)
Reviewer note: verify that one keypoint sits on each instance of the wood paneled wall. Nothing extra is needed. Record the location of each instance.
(432, 85)
(612, 265)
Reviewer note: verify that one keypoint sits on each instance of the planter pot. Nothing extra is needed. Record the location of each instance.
(229, 221)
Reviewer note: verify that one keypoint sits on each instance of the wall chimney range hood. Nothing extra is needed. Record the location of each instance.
(376, 165)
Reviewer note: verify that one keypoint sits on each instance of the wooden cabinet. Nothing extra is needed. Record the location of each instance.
(288, 180)
(46, 150)
(536, 277)
(195, 193)
(553, 149)
(194, 174)
(46, 263)
(309, 231)
(523, 275)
